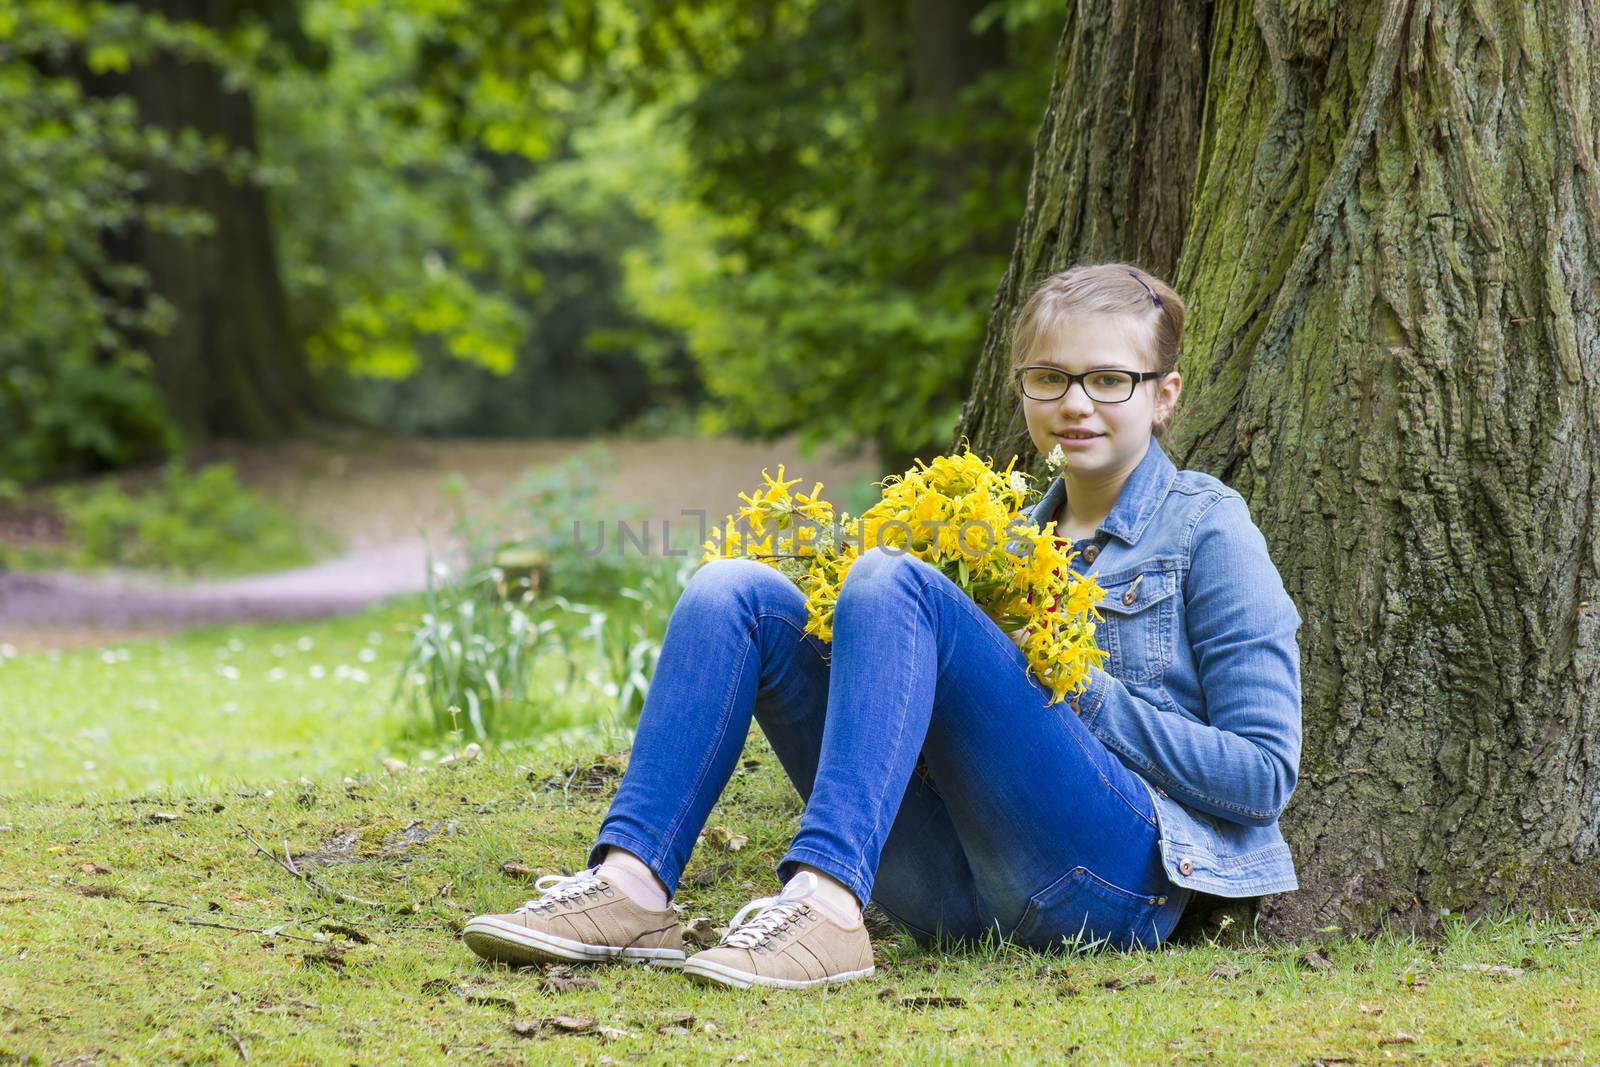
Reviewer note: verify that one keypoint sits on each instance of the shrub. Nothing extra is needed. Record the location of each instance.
(188, 521)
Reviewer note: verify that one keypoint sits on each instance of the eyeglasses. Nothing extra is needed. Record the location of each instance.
(1104, 386)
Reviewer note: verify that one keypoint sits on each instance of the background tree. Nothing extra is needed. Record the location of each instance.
(1389, 249)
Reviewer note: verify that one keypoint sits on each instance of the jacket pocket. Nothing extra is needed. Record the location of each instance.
(1140, 612)
(1082, 908)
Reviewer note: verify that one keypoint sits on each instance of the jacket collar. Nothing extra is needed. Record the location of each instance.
(1141, 495)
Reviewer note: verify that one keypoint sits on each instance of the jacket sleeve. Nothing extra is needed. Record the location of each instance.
(1243, 762)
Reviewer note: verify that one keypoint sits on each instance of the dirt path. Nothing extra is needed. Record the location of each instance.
(380, 496)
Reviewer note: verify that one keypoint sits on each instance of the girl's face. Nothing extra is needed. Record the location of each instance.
(1102, 441)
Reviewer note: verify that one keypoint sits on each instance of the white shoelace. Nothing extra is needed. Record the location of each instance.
(771, 913)
(554, 888)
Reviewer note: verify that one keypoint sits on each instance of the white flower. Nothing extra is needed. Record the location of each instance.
(1019, 481)
(1056, 459)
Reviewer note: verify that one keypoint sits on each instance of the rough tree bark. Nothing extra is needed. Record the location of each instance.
(230, 365)
(1390, 259)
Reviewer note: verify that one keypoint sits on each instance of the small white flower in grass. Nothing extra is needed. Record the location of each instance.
(1018, 480)
(89, 764)
(305, 644)
(8, 651)
(317, 670)
(108, 656)
(359, 676)
(228, 671)
(366, 655)
(277, 674)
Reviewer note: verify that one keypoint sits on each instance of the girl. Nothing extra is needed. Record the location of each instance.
(938, 781)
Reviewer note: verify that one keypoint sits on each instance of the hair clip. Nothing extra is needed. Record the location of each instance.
(1153, 297)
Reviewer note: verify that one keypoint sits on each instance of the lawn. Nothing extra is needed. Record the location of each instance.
(142, 919)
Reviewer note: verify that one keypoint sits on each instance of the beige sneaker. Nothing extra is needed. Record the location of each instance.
(581, 918)
(789, 944)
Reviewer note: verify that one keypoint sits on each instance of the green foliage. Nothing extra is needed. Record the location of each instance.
(528, 633)
(74, 393)
(189, 521)
(827, 240)
(393, 235)
(473, 652)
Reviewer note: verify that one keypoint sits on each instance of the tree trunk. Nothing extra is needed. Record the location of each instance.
(1393, 352)
(230, 365)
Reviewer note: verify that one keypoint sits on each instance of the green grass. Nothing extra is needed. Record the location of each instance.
(205, 711)
(111, 963)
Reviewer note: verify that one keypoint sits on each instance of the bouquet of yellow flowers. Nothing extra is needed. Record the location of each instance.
(959, 514)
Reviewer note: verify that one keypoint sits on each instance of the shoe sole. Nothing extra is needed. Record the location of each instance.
(502, 943)
(717, 974)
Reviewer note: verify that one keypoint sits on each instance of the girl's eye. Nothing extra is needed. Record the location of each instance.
(1048, 377)
(1110, 380)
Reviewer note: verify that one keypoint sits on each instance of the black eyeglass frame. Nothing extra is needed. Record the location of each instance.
(1082, 380)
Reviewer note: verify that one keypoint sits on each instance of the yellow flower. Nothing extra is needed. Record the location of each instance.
(957, 513)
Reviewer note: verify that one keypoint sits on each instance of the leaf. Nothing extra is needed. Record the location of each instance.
(519, 871)
(560, 979)
(725, 839)
(1399, 1038)
(1226, 970)
(703, 931)
(1115, 984)
(95, 868)
(1316, 960)
(163, 816)
(346, 931)
(918, 1003)
(567, 1024)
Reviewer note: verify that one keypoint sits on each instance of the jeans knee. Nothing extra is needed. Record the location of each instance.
(877, 568)
(720, 584)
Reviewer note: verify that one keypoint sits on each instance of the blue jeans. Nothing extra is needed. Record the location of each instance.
(938, 783)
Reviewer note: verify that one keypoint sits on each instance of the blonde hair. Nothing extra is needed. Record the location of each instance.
(1104, 289)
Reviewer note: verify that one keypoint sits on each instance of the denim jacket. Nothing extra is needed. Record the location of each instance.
(1202, 696)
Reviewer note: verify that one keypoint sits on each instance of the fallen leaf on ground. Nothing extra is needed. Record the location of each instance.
(330, 955)
(95, 868)
(886, 993)
(1316, 960)
(677, 1023)
(920, 1002)
(520, 871)
(346, 931)
(1494, 970)
(560, 979)
(163, 816)
(394, 765)
(1370, 1009)
(567, 1024)
(1400, 1038)
(703, 931)
(725, 839)
(96, 890)
(1114, 984)
(1226, 970)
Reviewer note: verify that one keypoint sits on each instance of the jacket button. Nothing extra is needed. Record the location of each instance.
(1186, 866)
(1089, 554)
